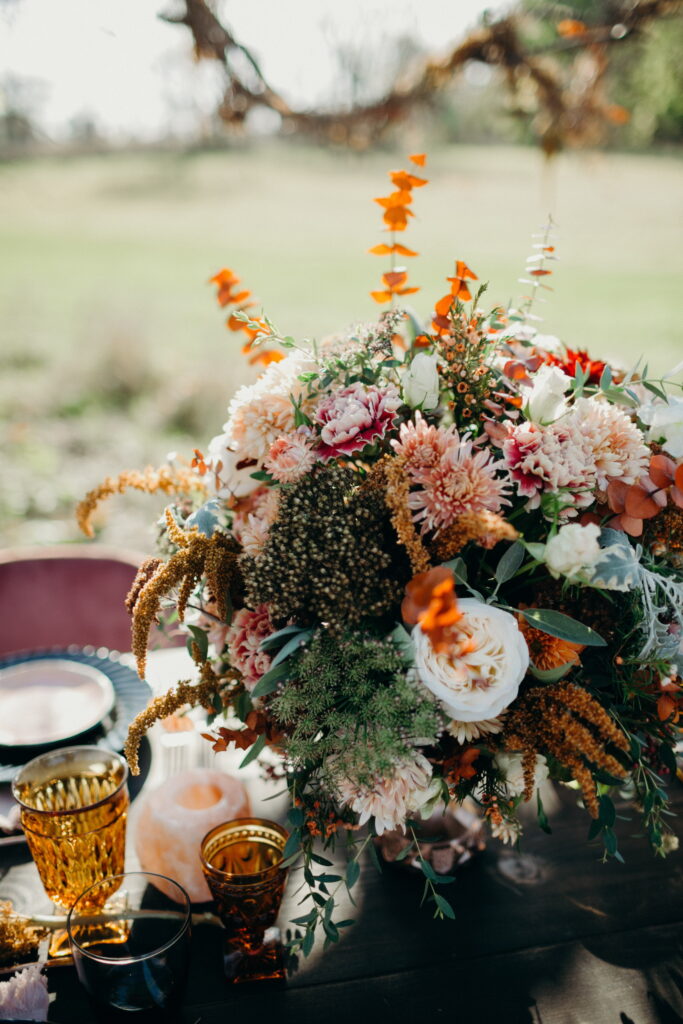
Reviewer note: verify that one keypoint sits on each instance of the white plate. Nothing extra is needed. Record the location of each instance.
(49, 700)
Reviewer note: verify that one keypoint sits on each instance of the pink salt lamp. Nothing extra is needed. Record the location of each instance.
(172, 820)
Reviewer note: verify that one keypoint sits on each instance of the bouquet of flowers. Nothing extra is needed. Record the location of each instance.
(426, 562)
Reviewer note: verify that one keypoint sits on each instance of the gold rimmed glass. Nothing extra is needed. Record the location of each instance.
(74, 804)
(242, 863)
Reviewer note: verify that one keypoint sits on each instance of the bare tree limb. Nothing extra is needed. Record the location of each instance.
(571, 105)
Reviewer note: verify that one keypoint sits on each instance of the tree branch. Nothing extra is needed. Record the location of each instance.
(572, 108)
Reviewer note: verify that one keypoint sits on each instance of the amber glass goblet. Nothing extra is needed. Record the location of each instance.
(74, 803)
(242, 863)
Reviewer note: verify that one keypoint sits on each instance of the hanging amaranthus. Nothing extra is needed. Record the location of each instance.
(198, 557)
(167, 479)
(564, 721)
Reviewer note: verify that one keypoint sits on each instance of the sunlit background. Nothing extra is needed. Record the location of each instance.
(122, 191)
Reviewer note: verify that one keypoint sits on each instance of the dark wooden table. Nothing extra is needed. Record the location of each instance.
(549, 934)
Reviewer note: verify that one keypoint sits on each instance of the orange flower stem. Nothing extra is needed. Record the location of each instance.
(392, 262)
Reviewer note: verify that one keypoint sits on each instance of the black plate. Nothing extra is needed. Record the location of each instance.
(132, 695)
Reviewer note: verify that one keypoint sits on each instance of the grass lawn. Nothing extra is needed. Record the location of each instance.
(111, 348)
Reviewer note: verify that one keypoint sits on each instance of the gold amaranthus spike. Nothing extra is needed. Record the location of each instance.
(484, 528)
(185, 692)
(214, 558)
(389, 477)
(564, 721)
(167, 479)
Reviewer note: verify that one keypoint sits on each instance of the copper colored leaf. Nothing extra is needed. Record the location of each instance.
(616, 495)
(633, 527)
(662, 470)
(678, 477)
(639, 504)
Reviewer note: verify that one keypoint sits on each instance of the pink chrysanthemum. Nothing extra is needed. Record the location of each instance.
(463, 480)
(555, 458)
(618, 447)
(254, 519)
(289, 459)
(244, 638)
(391, 800)
(353, 417)
(422, 445)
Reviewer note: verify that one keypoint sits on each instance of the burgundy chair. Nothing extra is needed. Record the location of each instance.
(68, 594)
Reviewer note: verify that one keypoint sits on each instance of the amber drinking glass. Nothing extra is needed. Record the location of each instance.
(74, 803)
(242, 863)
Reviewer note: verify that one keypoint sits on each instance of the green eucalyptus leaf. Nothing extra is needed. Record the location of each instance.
(274, 639)
(428, 871)
(293, 843)
(321, 860)
(254, 750)
(608, 814)
(510, 562)
(562, 626)
(291, 646)
(444, 906)
(307, 944)
(269, 682)
(610, 840)
(352, 873)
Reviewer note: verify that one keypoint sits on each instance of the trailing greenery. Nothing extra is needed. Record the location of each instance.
(350, 705)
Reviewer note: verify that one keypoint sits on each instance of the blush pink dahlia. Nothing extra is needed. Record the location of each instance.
(289, 459)
(254, 518)
(618, 446)
(462, 480)
(392, 799)
(244, 638)
(555, 458)
(353, 417)
(422, 445)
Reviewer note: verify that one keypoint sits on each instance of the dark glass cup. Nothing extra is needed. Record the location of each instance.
(242, 863)
(132, 959)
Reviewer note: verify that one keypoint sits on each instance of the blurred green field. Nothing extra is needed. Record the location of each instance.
(112, 351)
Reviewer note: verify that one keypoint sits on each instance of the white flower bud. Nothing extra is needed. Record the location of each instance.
(544, 400)
(420, 382)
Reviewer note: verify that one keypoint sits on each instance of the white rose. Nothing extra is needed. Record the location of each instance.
(574, 551)
(665, 420)
(479, 684)
(511, 767)
(231, 479)
(544, 400)
(420, 382)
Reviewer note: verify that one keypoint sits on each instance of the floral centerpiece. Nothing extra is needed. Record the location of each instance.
(425, 562)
